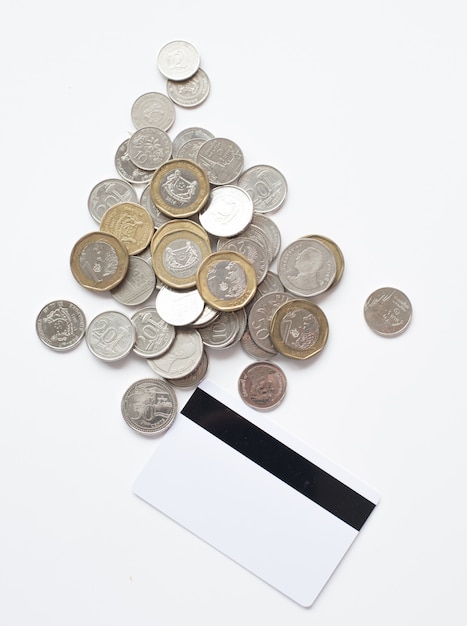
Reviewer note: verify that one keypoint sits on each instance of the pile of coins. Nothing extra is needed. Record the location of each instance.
(198, 241)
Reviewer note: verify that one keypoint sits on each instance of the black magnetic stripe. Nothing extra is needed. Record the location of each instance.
(278, 459)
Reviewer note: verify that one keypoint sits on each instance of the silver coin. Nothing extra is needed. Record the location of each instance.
(253, 350)
(179, 307)
(195, 377)
(149, 148)
(61, 325)
(207, 316)
(251, 250)
(307, 267)
(260, 316)
(149, 406)
(222, 160)
(153, 109)
(127, 169)
(154, 336)
(270, 228)
(388, 311)
(229, 211)
(190, 92)
(183, 356)
(262, 385)
(266, 186)
(190, 149)
(178, 60)
(107, 193)
(222, 332)
(138, 285)
(187, 134)
(255, 233)
(110, 336)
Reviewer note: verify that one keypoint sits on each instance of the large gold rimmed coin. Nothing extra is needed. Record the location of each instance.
(299, 329)
(174, 225)
(337, 253)
(130, 223)
(99, 261)
(179, 188)
(177, 256)
(226, 280)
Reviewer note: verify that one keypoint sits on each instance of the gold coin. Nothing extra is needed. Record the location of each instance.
(99, 261)
(130, 223)
(175, 225)
(299, 329)
(177, 257)
(179, 188)
(337, 253)
(226, 280)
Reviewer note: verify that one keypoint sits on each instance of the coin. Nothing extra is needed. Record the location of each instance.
(99, 261)
(61, 325)
(262, 385)
(130, 223)
(138, 284)
(153, 109)
(183, 356)
(187, 134)
(388, 311)
(149, 147)
(222, 159)
(228, 212)
(110, 336)
(178, 60)
(307, 267)
(337, 252)
(179, 188)
(226, 280)
(266, 186)
(149, 406)
(108, 192)
(127, 169)
(193, 378)
(190, 92)
(299, 329)
(154, 336)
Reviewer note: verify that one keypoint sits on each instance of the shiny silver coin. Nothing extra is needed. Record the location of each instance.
(307, 267)
(195, 377)
(262, 385)
(149, 406)
(190, 92)
(107, 193)
(266, 186)
(178, 60)
(153, 109)
(138, 285)
(183, 356)
(127, 169)
(149, 147)
(61, 325)
(189, 134)
(222, 160)
(387, 311)
(110, 336)
(153, 335)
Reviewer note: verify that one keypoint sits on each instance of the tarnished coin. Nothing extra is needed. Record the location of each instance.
(262, 385)
(153, 109)
(183, 356)
(177, 257)
(188, 134)
(127, 169)
(149, 406)
(138, 285)
(388, 311)
(299, 329)
(178, 60)
(307, 267)
(154, 336)
(149, 147)
(190, 92)
(179, 188)
(61, 325)
(226, 280)
(266, 186)
(337, 252)
(131, 224)
(107, 193)
(99, 261)
(222, 159)
(110, 336)
(228, 212)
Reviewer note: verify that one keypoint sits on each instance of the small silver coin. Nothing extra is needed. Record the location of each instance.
(262, 385)
(149, 147)
(138, 285)
(107, 193)
(188, 134)
(110, 336)
(178, 60)
(127, 169)
(387, 311)
(222, 159)
(191, 92)
(153, 335)
(153, 109)
(61, 325)
(149, 406)
(266, 186)
(183, 356)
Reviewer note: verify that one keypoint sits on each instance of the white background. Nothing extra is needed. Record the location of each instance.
(362, 106)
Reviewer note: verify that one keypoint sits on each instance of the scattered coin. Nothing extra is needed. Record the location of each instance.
(107, 193)
(131, 224)
(228, 212)
(153, 109)
(307, 267)
(138, 285)
(179, 188)
(178, 60)
(190, 92)
(61, 325)
(266, 186)
(149, 406)
(187, 134)
(222, 160)
(183, 356)
(110, 336)
(99, 261)
(154, 336)
(388, 311)
(262, 385)
(127, 169)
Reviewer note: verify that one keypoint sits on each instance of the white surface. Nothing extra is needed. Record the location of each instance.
(245, 511)
(362, 107)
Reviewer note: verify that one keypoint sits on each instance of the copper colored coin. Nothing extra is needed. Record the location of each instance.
(262, 385)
